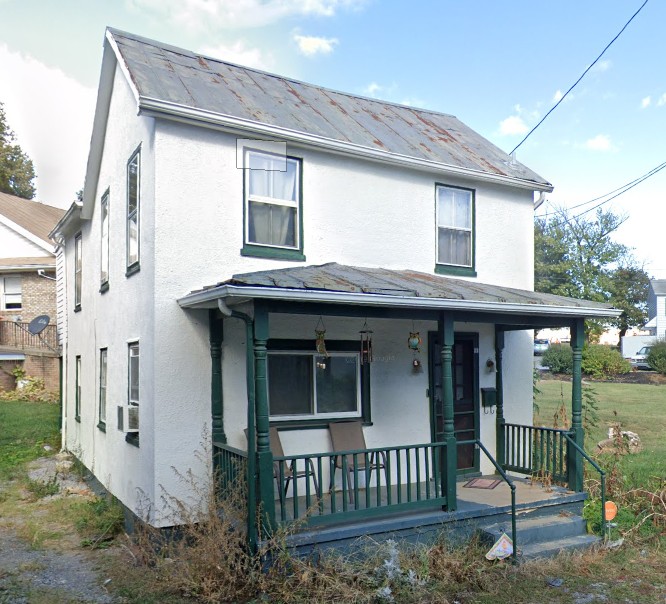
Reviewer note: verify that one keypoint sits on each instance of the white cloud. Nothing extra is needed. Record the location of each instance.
(600, 142)
(513, 125)
(240, 53)
(557, 96)
(646, 102)
(312, 45)
(197, 15)
(662, 100)
(602, 66)
(51, 115)
(375, 91)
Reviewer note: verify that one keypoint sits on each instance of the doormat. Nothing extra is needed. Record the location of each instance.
(482, 483)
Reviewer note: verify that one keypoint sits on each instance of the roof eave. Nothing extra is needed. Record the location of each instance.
(24, 268)
(67, 224)
(153, 107)
(208, 298)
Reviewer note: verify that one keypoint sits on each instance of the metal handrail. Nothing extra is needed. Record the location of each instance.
(512, 486)
(602, 475)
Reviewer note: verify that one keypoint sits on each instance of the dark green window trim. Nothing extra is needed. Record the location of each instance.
(453, 269)
(458, 271)
(132, 438)
(104, 287)
(78, 271)
(105, 202)
(133, 214)
(101, 426)
(77, 389)
(271, 253)
(332, 346)
(131, 270)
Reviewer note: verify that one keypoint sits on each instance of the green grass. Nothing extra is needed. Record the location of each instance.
(26, 428)
(640, 408)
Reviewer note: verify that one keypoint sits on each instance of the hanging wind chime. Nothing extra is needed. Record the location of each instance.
(414, 342)
(366, 343)
(320, 344)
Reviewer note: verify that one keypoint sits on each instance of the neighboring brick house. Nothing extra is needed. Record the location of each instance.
(27, 290)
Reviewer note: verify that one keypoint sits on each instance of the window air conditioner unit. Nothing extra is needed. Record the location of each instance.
(128, 418)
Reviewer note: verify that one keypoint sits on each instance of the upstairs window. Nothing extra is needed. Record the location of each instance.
(104, 252)
(455, 229)
(133, 207)
(273, 206)
(10, 293)
(102, 388)
(78, 271)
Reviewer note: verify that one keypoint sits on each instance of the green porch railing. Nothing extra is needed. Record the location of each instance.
(536, 451)
(324, 487)
(231, 468)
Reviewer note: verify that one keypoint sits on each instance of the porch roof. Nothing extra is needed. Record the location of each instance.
(340, 284)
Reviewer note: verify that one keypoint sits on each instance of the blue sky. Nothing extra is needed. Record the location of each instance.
(497, 66)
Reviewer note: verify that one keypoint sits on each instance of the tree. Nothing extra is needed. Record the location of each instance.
(628, 288)
(16, 170)
(575, 256)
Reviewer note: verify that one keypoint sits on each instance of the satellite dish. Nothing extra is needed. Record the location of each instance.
(38, 324)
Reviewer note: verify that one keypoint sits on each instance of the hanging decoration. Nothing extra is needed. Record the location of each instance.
(414, 341)
(320, 333)
(366, 343)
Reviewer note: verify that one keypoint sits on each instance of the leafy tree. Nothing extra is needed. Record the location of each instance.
(16, 170)
(628, 288)
(575, 256)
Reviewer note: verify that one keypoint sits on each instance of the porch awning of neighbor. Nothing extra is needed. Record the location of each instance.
(378, 287)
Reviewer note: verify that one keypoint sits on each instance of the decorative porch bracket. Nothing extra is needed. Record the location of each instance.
(450, 466)
(575, 461)
(264, 454)
(500, 422)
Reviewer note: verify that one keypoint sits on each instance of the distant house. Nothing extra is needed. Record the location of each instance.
(259, 263)
(657, 308)
(27, 289)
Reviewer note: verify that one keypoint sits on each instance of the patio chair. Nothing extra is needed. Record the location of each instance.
(348, 436)
(290, 472)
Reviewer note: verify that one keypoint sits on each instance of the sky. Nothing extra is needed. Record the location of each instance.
(498, 66)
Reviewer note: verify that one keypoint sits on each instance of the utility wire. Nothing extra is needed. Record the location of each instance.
(623, 189)
(579, 79)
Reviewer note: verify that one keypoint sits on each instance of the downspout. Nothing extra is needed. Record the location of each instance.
(251, 428)
(540, 200)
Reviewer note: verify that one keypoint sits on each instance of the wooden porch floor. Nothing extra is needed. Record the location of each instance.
(471, 501)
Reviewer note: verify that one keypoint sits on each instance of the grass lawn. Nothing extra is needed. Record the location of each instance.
(25, 429)
(640, 408)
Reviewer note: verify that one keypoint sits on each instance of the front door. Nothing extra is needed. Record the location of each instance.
(465, 395)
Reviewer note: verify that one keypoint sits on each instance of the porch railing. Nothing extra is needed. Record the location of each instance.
(536, 451)
(321, 487)
(231, 468)
(16, 335)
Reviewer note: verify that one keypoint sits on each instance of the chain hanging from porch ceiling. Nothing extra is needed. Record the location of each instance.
(366, 343)
(320, 343)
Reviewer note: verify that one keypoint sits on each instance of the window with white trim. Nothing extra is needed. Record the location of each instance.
(455, 226)
(132, 424)
(272, 201)
(133, 208)
(77, 392)
(102, 386)
(78, 271)
(306, 385)
(10, 293)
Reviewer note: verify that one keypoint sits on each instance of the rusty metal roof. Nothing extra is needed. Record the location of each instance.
(333, 277)
(186, 79)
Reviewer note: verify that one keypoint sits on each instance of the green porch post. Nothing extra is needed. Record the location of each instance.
(445, 326)
(500, 422)
(575, 461)
(264, 454)
(215, 326)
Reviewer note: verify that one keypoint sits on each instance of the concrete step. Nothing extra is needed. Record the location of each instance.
(538, 529)
(549, 549)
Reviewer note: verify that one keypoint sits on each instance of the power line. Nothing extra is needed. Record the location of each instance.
(620, 191)
(579, 79)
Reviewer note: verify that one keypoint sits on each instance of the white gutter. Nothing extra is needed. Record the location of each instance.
(307, 295)
(23, 268)
(152, 107)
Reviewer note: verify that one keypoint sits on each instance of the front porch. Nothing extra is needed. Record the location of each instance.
(476, 342)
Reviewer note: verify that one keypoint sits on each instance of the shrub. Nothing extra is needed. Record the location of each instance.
(603, 362)
(558, 358)
(657, 356)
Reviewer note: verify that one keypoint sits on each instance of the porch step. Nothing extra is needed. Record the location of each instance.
(544, 536)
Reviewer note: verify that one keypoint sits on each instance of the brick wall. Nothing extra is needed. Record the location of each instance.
(46, 368)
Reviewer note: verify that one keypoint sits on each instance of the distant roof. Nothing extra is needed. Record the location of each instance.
(658, 286)
(36, 218)
(172, 80)
(392, 287)
(27, 263)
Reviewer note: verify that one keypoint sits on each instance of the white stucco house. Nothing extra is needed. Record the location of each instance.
(254, 253)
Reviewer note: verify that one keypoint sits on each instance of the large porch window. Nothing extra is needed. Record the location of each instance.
(306, 385)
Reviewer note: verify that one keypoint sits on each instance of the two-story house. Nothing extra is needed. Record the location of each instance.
(657, 308)
(27, 290)
(262, 267)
